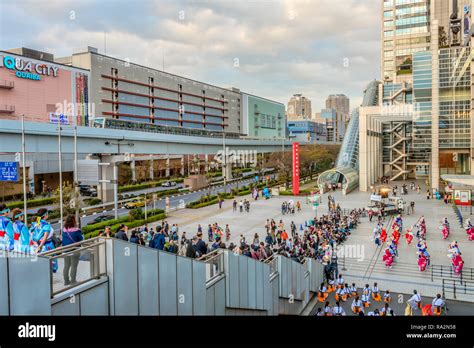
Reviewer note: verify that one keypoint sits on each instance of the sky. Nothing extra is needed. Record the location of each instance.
(270, 48)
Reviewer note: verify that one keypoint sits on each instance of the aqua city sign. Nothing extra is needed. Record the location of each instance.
(26, 69)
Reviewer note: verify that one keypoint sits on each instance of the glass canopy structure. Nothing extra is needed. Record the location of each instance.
(346, 171)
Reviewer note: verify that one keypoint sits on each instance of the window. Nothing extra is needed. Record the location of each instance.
(388, 54)
(388, 43)
(388, 33)
(388, 14)
(413, 30)
(388, 23)
(387, 3)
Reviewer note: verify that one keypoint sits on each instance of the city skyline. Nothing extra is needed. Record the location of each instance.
(272, 51)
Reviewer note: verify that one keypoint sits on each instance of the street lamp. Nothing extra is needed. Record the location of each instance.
(115, 175)
(24, 166)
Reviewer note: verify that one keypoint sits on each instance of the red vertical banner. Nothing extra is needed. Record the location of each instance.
(296, 169)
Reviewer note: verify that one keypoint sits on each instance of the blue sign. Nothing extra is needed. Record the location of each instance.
(9, 171)
(58, 119)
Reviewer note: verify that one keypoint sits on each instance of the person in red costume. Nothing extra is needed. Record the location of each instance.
(458, 264)
(409, 237)
(383, 235)
(395, 236)
(388, 258)
(422, 262)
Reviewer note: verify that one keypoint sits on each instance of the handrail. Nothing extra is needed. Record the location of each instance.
(206, 257)
(446, 272)
(76, 264)
(468, 287)
(73, 246)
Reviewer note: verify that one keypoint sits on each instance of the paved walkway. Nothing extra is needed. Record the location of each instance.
(367, 266)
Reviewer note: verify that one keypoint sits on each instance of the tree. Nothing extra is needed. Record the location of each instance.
(282, 162)
(317, 158)
(70, 198)
(124, 173)
(314, 158)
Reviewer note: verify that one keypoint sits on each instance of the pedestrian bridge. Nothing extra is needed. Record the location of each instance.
(120, 278)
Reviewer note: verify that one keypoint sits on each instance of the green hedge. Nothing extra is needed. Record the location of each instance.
(130, 224)
(31, 203)
(103, 224)
(290, 193)
(92, 201)
(203, 202)
(194, 205)
(146, 185)
(244, 192)
(214, 175)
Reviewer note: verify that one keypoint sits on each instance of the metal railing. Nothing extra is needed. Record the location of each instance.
(76, 264)
(272, 261)
(447, 272)
(155, 128)
(450, 286)
(214, 264)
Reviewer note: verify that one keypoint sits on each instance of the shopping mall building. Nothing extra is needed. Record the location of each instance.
(90, 88)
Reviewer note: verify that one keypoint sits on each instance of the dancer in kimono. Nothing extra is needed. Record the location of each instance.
(415, 301)
(42, 235)
(438, 305)
(376, 293)
(322, 293)
(387, 297)
(357, 306)
(337, 310)
(6, 229)
(21, 234)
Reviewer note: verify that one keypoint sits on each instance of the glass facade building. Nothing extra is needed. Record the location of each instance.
(405, 31)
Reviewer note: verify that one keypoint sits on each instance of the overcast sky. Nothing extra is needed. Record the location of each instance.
(271, 48)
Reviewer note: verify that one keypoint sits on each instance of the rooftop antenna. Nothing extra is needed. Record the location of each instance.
(105, 43)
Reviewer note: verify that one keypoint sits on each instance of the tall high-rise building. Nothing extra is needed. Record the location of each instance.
(340, 103)
(406, 30)
(422, 128)
(299, 107)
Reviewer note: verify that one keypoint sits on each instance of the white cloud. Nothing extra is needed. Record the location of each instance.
(283, 47)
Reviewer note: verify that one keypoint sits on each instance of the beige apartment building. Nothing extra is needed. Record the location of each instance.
(299, 107)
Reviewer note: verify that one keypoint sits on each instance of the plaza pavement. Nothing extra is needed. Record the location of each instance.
(403, 277)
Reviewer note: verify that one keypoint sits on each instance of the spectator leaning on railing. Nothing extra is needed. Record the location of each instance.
(122, 233)
(71, 234)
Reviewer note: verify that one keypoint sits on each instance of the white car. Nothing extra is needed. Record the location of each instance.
(168, 184)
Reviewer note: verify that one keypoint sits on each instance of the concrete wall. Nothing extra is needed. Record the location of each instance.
(247, 283)
(294, 286)
(144, 281)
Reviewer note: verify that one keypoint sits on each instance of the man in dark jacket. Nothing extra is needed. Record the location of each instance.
(158, 241)
(201, 247)
(122, 233)
(191, 248)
